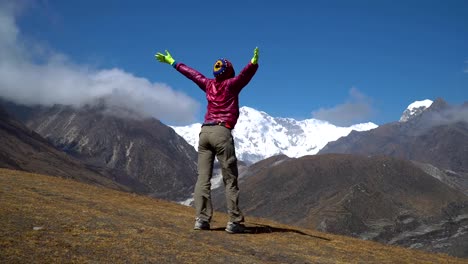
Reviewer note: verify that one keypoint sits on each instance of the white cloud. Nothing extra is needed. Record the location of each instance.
(53, 79)
(448, 116)
(466, 66)
(357, 108)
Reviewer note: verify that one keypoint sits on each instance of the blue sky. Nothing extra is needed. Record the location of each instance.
(342, 61)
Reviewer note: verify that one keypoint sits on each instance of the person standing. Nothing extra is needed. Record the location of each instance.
(215, 140)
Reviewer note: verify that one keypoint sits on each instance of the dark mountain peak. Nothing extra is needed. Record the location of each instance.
(3, 114)
(426, 117)
(18, 111)
(438, 105)
(104, 108)
(97, 108)
(438, 136)
(139, 152)
(23, 149)
(440, 113)
(369, 196)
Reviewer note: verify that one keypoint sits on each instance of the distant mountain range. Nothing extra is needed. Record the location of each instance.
(401, 183)
(142, 154)
(258, 135)
(23, 149)
(371, 197)
(435, 135)
(417, 198)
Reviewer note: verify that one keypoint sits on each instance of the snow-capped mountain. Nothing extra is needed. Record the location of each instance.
(258, 136)
(415, 109)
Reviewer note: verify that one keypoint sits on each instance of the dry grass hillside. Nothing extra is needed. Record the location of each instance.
(47, 219)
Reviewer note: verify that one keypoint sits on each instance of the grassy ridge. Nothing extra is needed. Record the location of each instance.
(47, 219)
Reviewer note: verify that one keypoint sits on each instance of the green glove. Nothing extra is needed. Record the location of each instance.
(255, 56)
(165, 58)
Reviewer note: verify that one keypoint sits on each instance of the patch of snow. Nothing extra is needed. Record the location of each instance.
(424, 103)
(70, 135)
(416, 245)
(129, 148)
(114, 157)
(408, 220)
(82, 143)
(415, 109)
(70, 120)
(46, 123)
(187, 202)
(216, 179)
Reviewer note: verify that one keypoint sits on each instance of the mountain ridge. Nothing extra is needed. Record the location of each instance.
(258, 135)
(438, 136)
(415, 109)
(23, 149)
(372, 197)
(141, 153)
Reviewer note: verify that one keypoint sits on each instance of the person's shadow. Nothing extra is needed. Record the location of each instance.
(263, 229)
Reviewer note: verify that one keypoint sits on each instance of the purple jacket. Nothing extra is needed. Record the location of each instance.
(222, 95)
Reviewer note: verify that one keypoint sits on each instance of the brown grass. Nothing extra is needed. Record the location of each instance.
(46, 219)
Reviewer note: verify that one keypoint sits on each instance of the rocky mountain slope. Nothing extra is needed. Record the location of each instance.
(49, 220)
(23, 149)
(141, 153)
(370, 197)
(437, 136)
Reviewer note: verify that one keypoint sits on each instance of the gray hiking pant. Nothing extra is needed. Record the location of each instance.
(216, 141)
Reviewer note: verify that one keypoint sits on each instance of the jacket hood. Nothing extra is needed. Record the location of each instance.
(223, 70)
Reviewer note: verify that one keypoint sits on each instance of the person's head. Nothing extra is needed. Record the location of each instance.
(223, 70)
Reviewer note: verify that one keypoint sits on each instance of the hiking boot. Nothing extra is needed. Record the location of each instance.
(201, 225)
(235, 228)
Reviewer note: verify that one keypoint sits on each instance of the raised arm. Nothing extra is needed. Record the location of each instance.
(188, 72)
(244, 77)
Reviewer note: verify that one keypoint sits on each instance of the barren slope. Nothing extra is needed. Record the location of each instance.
(51, 220)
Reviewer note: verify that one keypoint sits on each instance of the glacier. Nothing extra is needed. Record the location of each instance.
(258, 136)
